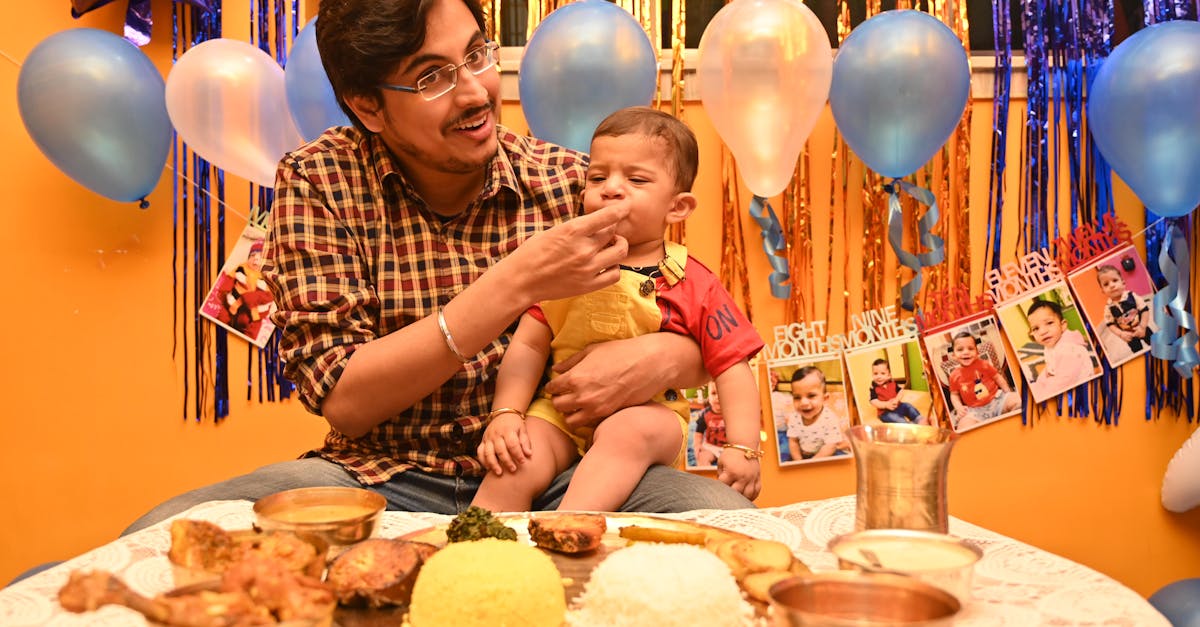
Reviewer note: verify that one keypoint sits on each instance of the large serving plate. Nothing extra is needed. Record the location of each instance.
(576, 570)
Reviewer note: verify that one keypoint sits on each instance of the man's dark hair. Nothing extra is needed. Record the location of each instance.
(363, 41)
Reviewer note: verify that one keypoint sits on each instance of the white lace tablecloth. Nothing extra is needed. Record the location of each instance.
(1015, 584)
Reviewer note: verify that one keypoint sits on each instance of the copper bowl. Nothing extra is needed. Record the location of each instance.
(340, 516)
(854, 599)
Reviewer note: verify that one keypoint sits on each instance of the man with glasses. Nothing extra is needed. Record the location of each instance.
(403, 250)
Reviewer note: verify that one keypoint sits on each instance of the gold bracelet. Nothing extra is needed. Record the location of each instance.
(441, 319)
(505, 410)
(750, 453)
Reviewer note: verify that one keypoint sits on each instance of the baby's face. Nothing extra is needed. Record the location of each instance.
(880, 374)
(965, 350)
(808, 396)
(713, 399)
(1046, 327)
(1112, 284)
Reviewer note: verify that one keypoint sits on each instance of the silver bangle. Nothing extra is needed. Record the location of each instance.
(450, 340)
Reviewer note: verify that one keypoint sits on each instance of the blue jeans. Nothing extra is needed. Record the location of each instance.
(662, 489)
(904, 413)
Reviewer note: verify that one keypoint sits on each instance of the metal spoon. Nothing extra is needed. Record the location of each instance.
(872, 558)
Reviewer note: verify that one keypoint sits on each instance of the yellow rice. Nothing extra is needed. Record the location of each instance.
(488, 583)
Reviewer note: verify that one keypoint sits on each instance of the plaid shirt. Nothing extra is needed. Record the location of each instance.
(353, 254)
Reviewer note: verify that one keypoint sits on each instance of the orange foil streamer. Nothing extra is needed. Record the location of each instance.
(733, 251)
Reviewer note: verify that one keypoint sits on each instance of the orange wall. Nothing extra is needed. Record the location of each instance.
(93, 426)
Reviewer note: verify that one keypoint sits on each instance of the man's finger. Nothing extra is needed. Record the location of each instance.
(594, 222)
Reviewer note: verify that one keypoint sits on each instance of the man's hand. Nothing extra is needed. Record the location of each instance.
(597, 381)
(602, 378)
(578, 256)
(739, 473)
(505, 444)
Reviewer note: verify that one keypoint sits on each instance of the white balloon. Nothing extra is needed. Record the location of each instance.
(764, 72)
(1181, 482)
(226, 99)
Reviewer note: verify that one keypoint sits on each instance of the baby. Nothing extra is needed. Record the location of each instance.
(648, 159)
(814, 431)
(1126, 314)
(978, 391)
(885, 397)
(1068, 357)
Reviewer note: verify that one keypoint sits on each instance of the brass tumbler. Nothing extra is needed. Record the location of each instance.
(901, 472)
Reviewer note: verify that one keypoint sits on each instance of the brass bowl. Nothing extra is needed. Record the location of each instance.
(935, 558)
(340, 516)
(854, 599)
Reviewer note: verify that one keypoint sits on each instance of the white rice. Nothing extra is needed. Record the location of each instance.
(661, 585)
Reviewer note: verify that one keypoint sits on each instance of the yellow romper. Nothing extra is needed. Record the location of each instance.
(616, 312)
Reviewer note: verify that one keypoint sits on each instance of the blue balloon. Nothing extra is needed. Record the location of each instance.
(900, 86)
(1179, 601)
(586, 60)
(1144, 116)
(95, 106)
(310, 97)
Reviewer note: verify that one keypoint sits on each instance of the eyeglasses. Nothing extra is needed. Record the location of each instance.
(441, 81)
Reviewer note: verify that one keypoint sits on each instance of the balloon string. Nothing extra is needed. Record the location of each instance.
(6, 56)
(205, 191)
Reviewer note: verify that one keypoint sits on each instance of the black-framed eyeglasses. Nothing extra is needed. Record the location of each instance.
(441, 81)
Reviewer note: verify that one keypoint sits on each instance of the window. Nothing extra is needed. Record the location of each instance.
(514, 16)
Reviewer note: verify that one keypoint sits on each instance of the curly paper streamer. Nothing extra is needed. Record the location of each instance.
(1170, 308)
(936, 252)
(772, 237)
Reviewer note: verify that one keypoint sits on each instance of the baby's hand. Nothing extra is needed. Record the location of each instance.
(739, 473)
(505, 444)
(962, 412)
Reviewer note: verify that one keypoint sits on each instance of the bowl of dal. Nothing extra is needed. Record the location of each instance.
(340, 516)
(938, 559)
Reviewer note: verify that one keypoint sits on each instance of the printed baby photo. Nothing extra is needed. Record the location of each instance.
(811, 408)
(1116, 294)
(706, 428)
(239, 299)
(974, 372)
(889, 383)
(1047, 333)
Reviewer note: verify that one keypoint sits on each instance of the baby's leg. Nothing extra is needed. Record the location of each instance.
(552, 453)
(623, 447)
(968, 421)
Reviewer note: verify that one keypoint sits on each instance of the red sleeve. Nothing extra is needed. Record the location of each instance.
(536, 312)
(698, 306)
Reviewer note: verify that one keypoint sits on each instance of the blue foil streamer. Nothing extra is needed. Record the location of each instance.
(935, 253)
(1001, 95)
(1036, 174)
(773, 241)
(193, 213)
